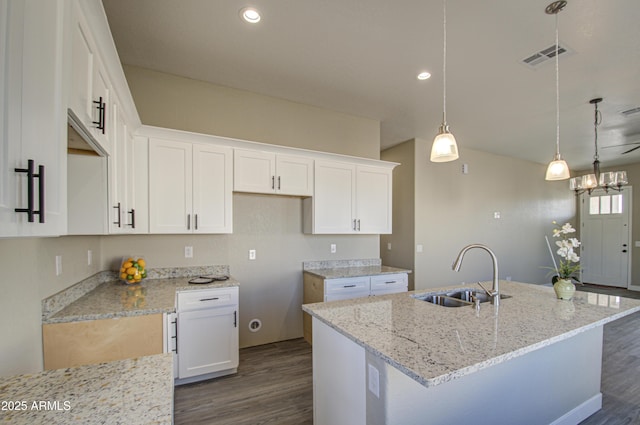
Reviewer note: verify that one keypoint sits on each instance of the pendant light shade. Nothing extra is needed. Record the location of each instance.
(444, 148)
(558, 168)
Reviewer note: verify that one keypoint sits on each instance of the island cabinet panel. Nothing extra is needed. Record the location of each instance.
(556, 384)
(96, 341)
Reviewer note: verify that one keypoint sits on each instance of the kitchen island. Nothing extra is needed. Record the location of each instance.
(133, 391)
(396, 359)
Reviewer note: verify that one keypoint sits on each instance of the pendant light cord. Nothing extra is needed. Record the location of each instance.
(444, 64)
(596, 122)
(557, 93)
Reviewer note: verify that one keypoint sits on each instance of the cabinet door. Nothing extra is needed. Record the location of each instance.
(81, 68)
(118, 205)
(389, 283)
(294, 175)
(139, 200)
(373, 200)
(334, 197)
(254, 171)
(170, 186)
(207, 341)
(33, 119)
(212, 189)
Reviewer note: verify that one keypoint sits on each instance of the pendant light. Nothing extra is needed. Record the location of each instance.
(444, 148)
(558, 168)
(609, 180)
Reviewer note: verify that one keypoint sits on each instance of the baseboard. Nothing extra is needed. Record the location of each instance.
(634, 288)
(581, 412)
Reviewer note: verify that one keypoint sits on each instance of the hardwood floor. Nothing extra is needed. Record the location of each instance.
(274, 382)
(273, 386)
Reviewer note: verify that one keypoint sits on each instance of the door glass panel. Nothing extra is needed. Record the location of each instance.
(594, 205)
(616, 204)
(605, 204)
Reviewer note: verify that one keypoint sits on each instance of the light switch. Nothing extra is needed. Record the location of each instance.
(252, 254)
(333, 248)
(419, 247)
(188, 252)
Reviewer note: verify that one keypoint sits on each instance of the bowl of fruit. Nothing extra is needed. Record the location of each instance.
(133, 269)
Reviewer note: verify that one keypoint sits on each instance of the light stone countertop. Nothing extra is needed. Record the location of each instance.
(117, 299)
(133, 392)
(434, 344)
(355, 271)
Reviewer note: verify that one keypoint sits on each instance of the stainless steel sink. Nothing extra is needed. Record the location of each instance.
(456, 298)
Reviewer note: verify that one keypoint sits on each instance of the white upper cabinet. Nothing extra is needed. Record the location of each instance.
(190, 187)
(349, 199)
(90, 90)
(267, 172)
(373, 199)
(32, 122)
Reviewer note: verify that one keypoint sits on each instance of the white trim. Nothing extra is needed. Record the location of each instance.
(581, 412)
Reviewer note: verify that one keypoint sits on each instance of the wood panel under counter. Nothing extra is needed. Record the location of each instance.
(95, 341)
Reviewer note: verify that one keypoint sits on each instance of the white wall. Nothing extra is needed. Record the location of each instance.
(453, 209)
(28, 276)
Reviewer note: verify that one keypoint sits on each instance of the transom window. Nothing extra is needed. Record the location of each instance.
(605, 204)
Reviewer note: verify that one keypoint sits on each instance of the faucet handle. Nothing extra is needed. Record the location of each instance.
(491, 292)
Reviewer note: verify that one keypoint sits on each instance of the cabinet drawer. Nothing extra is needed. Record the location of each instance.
(389, 283)
(206, 298)
(348, 284)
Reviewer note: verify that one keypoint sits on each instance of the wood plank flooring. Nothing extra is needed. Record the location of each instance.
(274, 382)
(274, 385)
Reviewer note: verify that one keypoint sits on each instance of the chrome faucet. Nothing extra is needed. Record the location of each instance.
(495, 290)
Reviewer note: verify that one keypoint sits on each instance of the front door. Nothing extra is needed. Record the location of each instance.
(605, 236)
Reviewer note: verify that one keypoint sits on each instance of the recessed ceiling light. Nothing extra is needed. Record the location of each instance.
(424, 75)
(250, 15)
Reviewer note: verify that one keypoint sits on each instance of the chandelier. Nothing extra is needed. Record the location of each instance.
(590, 182)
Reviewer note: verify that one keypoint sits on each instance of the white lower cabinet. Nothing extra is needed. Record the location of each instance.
(207, 334)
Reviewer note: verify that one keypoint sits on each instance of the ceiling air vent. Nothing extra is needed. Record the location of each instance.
(631, 111)
(538, 58)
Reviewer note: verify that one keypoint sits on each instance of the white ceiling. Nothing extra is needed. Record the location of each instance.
(361, 57)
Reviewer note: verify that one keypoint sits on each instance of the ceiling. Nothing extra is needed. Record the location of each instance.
(361, 57)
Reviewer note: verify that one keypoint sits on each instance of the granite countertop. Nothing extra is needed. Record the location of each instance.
(434, 344)
(354, 271)
(117, 299)
(133, 391)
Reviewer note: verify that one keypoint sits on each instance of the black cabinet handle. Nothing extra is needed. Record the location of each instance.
(278, 182)
(196, 222)
(30, 210)
(132, 213)
(100, 124)
(235, 319)
(349, 286)
(188, 221)
(119, 222)
(273, 182)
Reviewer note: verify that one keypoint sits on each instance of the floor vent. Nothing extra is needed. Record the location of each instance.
(536, 59)
(631, 111)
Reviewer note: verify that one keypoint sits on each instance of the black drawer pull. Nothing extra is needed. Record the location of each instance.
(209, 299)
(349, 286)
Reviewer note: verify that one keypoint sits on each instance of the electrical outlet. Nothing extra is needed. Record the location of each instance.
(188, 252)
(89, 257)
(419, 247)
(388, 246)
(58, 265)
(252, 254)
(496, 214)
(333, 248)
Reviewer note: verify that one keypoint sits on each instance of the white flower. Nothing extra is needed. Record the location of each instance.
(573, 257)
(566, 228)
(574, 242)
(563, 252)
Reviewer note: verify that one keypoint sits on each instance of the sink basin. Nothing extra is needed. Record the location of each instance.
(456, 298)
